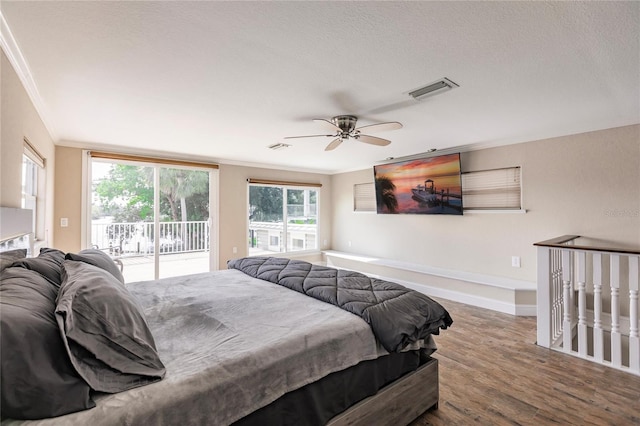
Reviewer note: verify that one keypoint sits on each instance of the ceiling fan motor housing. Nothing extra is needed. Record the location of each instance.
(346, 123)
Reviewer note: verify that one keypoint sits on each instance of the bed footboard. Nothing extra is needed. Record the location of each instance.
(397, 403)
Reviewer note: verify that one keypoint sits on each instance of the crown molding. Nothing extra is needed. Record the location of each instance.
(186, 157)
(19, 63)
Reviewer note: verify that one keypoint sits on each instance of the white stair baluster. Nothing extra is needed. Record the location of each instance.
(557, 299)
(567, 331)
(616, 337)
(598, 333)
(634, 338)
(582, 303)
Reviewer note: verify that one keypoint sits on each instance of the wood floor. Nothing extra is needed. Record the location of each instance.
(492, 373)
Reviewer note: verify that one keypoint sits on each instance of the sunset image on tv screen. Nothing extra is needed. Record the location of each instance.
(422, 186)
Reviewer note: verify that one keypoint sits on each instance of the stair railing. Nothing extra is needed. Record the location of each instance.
(587, 301)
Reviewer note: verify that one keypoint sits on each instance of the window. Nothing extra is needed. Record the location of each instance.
(297, 243)
(497, 189)
(282, 217)
(33, 178)
(364, 197)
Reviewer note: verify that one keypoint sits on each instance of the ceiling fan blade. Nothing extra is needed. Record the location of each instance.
(328, 125)
(373, 140)
(381, 127)
(309, 136)
(334, 144)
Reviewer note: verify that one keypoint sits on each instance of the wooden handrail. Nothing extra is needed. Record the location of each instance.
(560, 242)
(554, 242)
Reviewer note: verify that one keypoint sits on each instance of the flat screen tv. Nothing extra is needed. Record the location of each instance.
(422, 186)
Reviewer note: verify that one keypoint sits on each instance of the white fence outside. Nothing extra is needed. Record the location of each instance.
(125, 239)
(588, 302)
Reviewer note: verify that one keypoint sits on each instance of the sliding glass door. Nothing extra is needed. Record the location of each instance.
(184, 225)
(155, 219)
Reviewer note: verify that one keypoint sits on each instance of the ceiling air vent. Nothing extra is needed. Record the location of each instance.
(434, 88)
(278, 146)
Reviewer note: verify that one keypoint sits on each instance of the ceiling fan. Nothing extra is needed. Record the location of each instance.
(344, 127)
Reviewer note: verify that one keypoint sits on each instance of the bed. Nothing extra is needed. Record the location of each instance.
(268, 341)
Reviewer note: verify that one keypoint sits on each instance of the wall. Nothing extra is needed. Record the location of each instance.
(586, 184)
(19, 119)
(68, 196)
(232, 201)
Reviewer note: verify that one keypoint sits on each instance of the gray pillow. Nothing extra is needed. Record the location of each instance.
(97, 258)
(105, 331)
(47, 264)
(8, 257)
(38, 379)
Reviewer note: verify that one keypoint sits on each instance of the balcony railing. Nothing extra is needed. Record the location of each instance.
(129, 239)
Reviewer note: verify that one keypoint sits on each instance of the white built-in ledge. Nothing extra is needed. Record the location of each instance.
(488, 280)
(511, 296)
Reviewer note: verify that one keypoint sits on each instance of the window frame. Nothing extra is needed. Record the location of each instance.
(157, 163)
(286, 233)
(34, 201)
(491, 182)
(364, 198)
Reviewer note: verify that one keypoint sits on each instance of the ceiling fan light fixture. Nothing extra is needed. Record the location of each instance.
(442, 85)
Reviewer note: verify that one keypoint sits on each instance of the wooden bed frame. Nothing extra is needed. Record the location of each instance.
(397, 403)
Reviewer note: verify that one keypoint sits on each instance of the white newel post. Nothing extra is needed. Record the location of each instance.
(598, 332)
(616, 337)
(582, 303)
(634, 339)
(567, 333)
(543, 296)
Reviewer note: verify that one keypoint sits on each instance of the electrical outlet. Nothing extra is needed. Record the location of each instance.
(235, 250)
(349, 243)
(515, 261)
(64, 222)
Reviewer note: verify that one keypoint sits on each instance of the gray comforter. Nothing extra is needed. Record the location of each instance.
(398, 316)
(230, 344)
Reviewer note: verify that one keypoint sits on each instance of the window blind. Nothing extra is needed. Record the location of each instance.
(364, 197)
(497, 189)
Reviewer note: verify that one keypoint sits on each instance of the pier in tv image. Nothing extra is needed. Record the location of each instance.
(421, 186)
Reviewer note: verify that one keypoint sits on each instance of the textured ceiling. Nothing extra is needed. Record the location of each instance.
(223, 80)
